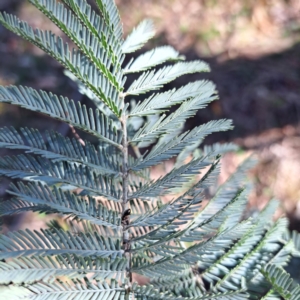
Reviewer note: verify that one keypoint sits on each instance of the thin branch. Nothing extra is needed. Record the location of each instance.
(125, 203)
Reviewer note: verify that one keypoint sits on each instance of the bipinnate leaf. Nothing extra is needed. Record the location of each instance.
(107, 220)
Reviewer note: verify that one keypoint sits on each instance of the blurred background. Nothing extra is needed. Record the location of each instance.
(254, 52)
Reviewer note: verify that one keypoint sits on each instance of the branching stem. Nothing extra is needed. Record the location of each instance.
(125, 202)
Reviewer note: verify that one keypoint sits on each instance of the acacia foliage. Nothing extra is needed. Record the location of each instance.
(116, 224)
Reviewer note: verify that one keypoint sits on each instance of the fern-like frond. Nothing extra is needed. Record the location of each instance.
(165, 222)
(187, 283)
(217, 148)
(66, 203)
(225, 193)
(16, 206)
(97, 27)
(217, 269)
(154, 264)
(97, 24)
(77, 289)
(57, 242)
(91, 45)
(167, 149)
(258, 283)
(281, 282)
(138, 37)
(147, 292)
(167, 280)
(159, 102)
(213, 271)
(77, 227)
(59, 148)
(293, 236)
(114, 222)
(181, 209)
(167, 125)
(204, 251)
(73, 60)
(63, 109)
(152, 58)
(69, 175)
(267, 245)
(15, 292)
(138, 208)
(271, 295)
(208, 151)
(111, 16)
(228, 217)
(218, 266)
(156, 79)
(173, 179)
(47, 268)
(179, 281)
